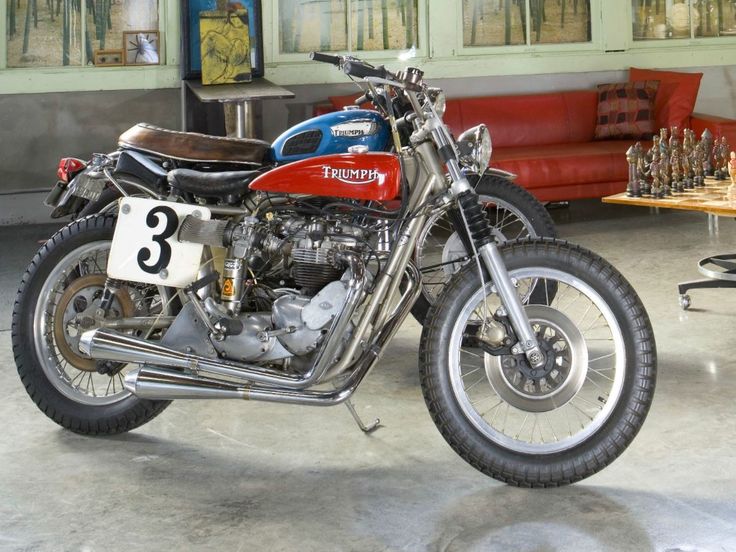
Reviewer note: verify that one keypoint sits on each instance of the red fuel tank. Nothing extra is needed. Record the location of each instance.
(370, 176)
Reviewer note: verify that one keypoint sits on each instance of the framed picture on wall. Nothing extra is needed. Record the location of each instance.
(108, 58)
(141, 47)
(191, 52)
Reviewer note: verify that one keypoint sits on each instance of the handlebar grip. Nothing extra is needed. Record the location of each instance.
(325, 58)
(360, 70)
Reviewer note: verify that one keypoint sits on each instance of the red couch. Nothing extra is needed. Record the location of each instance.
(547, 139)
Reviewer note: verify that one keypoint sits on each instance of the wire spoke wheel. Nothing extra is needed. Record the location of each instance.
(67, 308)
(559, 405)
(513, 213)
(59, 299)
(572, 415)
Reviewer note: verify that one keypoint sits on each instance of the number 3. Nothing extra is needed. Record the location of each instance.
(152, 221)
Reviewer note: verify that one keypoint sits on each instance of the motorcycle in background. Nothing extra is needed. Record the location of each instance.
(537, 360)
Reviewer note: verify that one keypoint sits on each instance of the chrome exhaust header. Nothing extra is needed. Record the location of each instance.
(154, 383)
(105, 344)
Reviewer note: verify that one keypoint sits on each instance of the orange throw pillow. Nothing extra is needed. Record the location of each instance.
(675, 98)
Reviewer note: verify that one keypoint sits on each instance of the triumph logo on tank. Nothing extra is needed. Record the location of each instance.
(354, 129)
(351, 176)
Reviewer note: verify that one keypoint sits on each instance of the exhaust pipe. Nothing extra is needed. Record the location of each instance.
(161, 384)
(109, 345)
(154, 383)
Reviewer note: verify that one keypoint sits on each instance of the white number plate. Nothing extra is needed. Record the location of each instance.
(145, 248)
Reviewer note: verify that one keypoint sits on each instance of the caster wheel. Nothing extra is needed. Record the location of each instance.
(685, 302)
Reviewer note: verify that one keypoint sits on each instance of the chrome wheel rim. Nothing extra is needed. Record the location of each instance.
(73, 380)
(561, 416)
(440, 251)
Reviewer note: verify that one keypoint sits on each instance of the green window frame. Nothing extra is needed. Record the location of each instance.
(82, 78)
(440, 53)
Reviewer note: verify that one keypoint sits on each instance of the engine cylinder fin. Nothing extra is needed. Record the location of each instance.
(313, 269)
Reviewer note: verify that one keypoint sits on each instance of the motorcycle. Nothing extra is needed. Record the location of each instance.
(537, 360)
(163, 163)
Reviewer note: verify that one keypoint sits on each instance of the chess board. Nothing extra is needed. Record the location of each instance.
(710, 199)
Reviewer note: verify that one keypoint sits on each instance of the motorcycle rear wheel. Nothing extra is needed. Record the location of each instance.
(513, 213)
(62, 286)
(559, 424)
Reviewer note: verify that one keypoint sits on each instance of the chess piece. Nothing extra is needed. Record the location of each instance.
(687, 175)
(632, 188)
(677, 184)
(688, 140)
(698, 166)
(663, 144)
(706, 139)
(656, 189)
(716, 157)
(721, 158)
(674, 143)
(688, 158)
(654, 149)
(732, 168)
(665, 175)
(642, 169)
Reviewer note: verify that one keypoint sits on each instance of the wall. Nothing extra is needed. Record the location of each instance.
(37, 129)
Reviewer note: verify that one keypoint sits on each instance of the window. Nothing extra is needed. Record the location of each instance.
(332, 25)
(55, 33)
(525, 22)
(666, 19)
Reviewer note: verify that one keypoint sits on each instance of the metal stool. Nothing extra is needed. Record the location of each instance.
(725, 278)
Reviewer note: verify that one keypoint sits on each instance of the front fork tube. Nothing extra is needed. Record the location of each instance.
(476, 229)
(511, 301)
(474, 225)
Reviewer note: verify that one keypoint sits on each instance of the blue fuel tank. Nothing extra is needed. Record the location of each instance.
(332, 133)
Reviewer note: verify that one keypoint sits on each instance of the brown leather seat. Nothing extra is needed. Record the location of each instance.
(195, 147)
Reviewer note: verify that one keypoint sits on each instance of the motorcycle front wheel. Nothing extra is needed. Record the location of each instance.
(513, 214)
(57, 301)
(548, 426)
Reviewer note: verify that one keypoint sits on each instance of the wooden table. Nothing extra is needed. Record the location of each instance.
(242, 95)
(710, 199)
(719, 270)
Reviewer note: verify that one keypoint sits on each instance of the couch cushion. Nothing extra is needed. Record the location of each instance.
(626, 110)
(675, 98)
(529, 119)
(565, 164)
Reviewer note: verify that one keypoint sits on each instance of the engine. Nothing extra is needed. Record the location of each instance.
(283, 283)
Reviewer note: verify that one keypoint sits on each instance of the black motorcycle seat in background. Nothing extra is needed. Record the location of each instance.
(219, 184)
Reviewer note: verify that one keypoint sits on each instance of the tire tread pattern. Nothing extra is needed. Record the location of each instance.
(600, 449)
(84, 419)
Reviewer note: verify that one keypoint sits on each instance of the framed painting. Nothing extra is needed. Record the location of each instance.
(191, 47)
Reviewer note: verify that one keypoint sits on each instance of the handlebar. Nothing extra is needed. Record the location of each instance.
(325, 58)
(362, 70)
(350, 66)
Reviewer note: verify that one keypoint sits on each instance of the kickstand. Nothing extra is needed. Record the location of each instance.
(364, 428)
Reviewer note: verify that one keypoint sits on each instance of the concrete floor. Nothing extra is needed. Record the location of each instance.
(255, 476)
